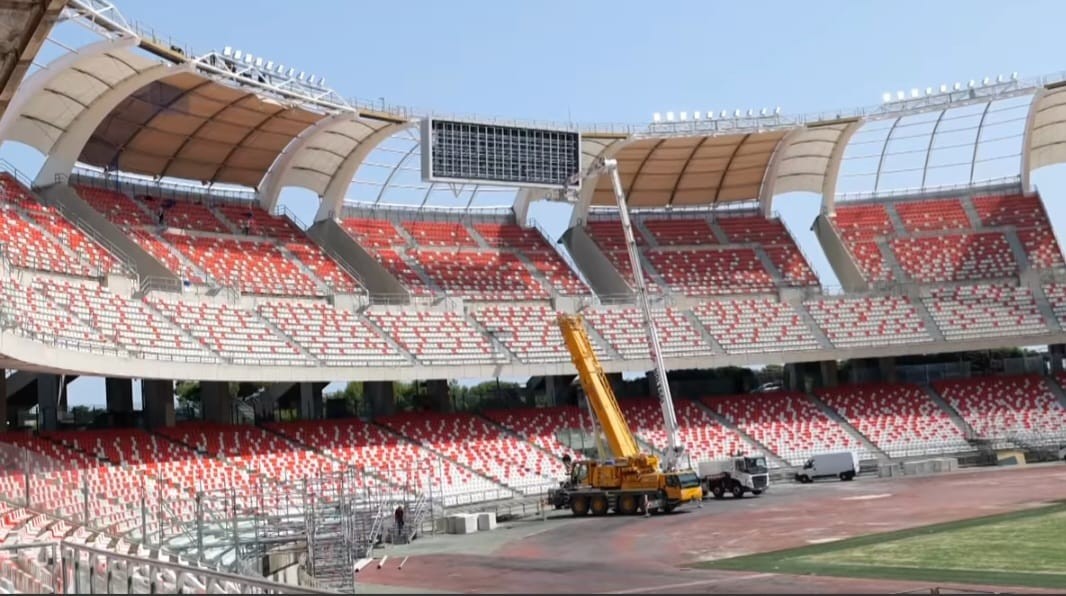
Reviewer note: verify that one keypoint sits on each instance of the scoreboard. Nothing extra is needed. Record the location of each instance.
(477, 153)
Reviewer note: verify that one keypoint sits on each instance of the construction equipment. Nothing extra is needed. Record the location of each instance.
(633, 480)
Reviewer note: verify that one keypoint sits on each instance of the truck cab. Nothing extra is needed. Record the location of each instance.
(738, 475)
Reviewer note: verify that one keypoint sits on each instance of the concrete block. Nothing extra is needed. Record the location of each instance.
(462, 523)
(486, 521)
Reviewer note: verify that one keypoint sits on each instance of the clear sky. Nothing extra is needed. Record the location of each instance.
(620, 61)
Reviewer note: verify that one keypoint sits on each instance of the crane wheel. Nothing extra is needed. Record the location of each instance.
(627, 504)
(599, 505)
(579, 505)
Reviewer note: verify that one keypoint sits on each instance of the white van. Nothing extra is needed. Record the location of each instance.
(842, 464)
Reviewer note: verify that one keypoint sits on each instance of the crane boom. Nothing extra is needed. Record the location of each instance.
(597, 388)
(675, 449)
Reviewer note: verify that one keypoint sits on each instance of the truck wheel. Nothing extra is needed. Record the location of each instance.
(738, 490)
(627, 504)
(599, 505)
(756, 492)
(579, 504)
(718, 491)
(669, 508)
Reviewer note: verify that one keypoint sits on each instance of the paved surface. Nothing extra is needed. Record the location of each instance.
(649, 555)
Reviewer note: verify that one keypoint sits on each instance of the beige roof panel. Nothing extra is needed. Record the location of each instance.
(187, 126)
(694, 170)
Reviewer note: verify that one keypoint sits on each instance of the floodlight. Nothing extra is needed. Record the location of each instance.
(695, 115)
(987, 81)
(1000, 78)
(750, 113)
(928, 91)
(303, 76)
(764, 112)
(237, 55)
(901, 95)
(972, 83)
(669, 116)
(736, 113)
(958, 86)
(943, 88)
(227, 51)
(777, 111)
(322, 82)
(281, 69)
(248, 58)
(656, 117)
(725, 114)
(311, 80)
(1014, 76)
(914, 93)
(290, 73)
(270, 65)
(886, 97)
(258, 62)
(682, 116)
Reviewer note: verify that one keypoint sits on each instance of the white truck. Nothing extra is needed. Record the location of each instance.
(736, 476)
(842, 464)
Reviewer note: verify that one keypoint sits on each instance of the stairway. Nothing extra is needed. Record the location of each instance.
(726, 423)
(851, 430)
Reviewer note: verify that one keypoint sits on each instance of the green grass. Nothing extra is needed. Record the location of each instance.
(1024, 548)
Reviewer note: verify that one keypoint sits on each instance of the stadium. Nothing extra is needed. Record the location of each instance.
(152, 249)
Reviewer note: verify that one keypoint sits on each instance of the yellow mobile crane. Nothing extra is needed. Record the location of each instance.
(633, 480)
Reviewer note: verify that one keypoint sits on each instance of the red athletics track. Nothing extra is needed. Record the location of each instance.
(638, 555)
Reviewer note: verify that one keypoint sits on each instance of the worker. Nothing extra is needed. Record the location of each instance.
(398, 515)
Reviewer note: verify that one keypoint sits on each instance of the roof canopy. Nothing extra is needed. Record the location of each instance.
(188, 126)
(691, 171)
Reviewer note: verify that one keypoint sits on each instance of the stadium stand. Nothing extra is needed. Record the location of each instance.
(868, 320)
(973, 311)
(542, 427)
(788, 423)
(900, 419)
(479, 445)
(704, 438)
(335, 337)
(381, 454)
(251, 266)
(47, 321)
(619, 325)
(1019, 410)
(1026, 214)
(747, 326)
(860, 226)
(437, 337)
(530, 332)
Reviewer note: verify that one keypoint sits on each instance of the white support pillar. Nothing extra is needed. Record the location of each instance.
(769, 177)
(832, 169)
(69, 145)
(1027, 137)
(333, 196)
(274, 179)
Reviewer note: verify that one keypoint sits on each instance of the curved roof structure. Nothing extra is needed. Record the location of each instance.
(24, 25)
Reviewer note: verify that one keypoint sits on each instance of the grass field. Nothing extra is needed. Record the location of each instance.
(1022, 549)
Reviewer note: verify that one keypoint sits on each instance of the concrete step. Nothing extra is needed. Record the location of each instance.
(704, 333)
(964, 426)
(927, 319)
(1045, 308)
(897, 221)
(971, 212)
(847, 426)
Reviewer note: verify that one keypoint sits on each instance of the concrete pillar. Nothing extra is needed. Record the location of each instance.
(828, 373)
(157, 397)
(216, 402)
(380, 397)
(120, 401)
(887, 368)
(793, 377)
(310, 400)
(48, 401)
(1056, 353)
(439, 398)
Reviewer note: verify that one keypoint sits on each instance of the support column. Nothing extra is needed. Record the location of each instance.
(310, 400)
(829, 373)
(1056, 354)
(887, 368)
(380, 397)
(157, 399)
(48, 402)
(216, 402)
(119, 401)
(440, 400)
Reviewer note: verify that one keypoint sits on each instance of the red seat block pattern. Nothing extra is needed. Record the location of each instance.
(480, 275)
(185, 215)
(530, 332)
(251, 266)
(544, 427)
(933, 215)
(868, 321)
(437, 337)
(859, 226)
(968, 312)
(956, 257)
(899, 418)
(682, 231)
(703, 437)
(116, 206)
(1005, 408)
(623, 328)
(747, 326)
(433, 233)
(712, 272)
(334, 336)
(483, 447)
(787, 423)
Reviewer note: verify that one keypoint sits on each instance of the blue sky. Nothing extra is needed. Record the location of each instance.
(620, 61)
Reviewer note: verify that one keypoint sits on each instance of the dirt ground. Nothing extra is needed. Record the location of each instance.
(650, 555)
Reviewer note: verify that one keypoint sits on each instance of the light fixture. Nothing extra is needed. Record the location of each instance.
(656, 117)
(777, 111)
(736, 113)
(669, 116)
(237, 55)
(943, 88)
(695, 115)
(682, 116)
(914, 93)
(928, 91)
(886, 97)
(1014, 76)
(227, 51)
(901, 95)
(958, 86)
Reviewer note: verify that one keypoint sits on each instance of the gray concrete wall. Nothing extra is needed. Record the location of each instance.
(846, 270)
(376, 278)
(99, 228)
(604, 279)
